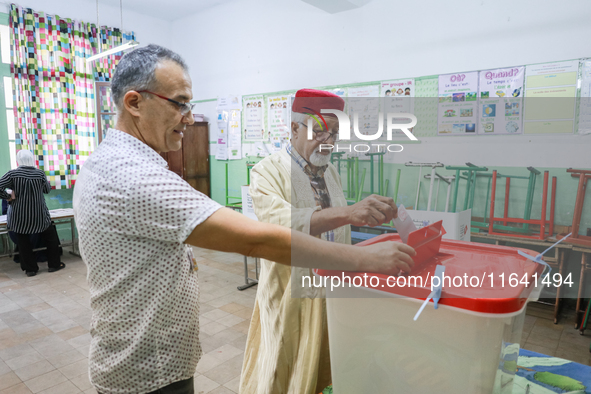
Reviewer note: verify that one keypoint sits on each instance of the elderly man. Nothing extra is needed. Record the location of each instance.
(136, 221)
(287, 346)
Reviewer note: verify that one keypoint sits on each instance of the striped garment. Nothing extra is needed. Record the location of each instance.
(28, 213)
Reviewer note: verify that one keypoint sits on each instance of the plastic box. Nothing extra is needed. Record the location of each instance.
(469, 345)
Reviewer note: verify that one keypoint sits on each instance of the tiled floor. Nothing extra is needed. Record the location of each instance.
(44, 322)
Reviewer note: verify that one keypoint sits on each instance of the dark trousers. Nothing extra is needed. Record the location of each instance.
(27, 256)
(180, 387)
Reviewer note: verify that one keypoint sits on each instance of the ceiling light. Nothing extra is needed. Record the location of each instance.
(120, 48)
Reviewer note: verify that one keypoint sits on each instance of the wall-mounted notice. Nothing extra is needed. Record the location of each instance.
(585, 104)
(222, 136)
(398, 98)
(398, 88)
(254, 125)
(501, 101)
(229, 102)
(363, 101)
(278, 112)
(458, 110)
(234, 135)
(550, 97)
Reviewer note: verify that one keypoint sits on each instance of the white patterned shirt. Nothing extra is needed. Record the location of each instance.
(133, 216)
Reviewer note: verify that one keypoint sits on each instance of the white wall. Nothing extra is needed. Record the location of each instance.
(249, 46)
(148, 29)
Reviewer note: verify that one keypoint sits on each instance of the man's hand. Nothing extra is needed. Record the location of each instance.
(12, 196)
(388, 258)
(372, 211)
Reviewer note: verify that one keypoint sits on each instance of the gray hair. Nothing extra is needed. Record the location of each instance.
(135, 70)
(299, 117)
(25, 158)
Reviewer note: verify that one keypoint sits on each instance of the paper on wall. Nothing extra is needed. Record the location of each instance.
(500, 105)
(457, 109)
(279, 114)
(585, 104)
(364, 101)
(234, 135)
(550, 91)
(398, 97)
(222, 136)
(229, 102)
(254, 127)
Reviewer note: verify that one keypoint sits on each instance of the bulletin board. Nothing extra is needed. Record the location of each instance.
(535, 99)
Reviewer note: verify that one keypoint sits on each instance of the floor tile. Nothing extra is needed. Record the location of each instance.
(32, 371)
(16, 351)
(8, 380)
(204, 385)
(45, 381)
(63, 388)
(24, 360)
(20, 388)
(233, 385)
(226, 371)
(82, 382)
(61, 360)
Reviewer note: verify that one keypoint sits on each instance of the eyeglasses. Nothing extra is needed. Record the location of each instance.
(323, 136)
(185, 108)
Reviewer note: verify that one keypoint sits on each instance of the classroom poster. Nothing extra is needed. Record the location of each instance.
(458, 106)
(550, 94)
(278, 120)
(585, 103)
(398, 97)
(500, 93)
(254, 125)
(234, 135)
(364, 102)
(222, 136)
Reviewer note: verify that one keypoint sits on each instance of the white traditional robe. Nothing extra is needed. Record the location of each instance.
(287, 347)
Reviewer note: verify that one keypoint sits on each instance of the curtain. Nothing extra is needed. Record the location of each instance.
(53, 88)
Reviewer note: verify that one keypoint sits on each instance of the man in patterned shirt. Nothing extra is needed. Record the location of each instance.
(136, 221)
(287, 346)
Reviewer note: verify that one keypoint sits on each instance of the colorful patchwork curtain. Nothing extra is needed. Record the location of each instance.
(53, 88)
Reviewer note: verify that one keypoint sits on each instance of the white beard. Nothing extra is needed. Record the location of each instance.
(318, 160)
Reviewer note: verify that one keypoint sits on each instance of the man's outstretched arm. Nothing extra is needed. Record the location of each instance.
(229, 231)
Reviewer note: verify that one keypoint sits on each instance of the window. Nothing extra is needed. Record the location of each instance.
(105, 109)
(7, 150)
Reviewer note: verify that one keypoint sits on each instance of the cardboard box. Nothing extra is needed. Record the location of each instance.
(457, 224)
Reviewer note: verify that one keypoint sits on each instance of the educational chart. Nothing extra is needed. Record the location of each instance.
(234, 135)
(363, 104)
(458, 106)
(501, 101)
(278, 113)
(254, 122)
(426, 106)
(360, 102)
(222, 136)
(550, 97)
(585, 103)
(397, 97)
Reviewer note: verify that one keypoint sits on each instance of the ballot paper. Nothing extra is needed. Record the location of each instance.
(404, 224)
